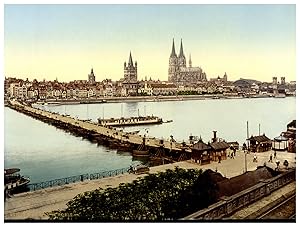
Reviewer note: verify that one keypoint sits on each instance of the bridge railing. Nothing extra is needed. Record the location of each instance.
(229, 205)
(77, 178)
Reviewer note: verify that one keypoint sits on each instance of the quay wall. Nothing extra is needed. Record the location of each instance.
(229, 205)
(147, 98)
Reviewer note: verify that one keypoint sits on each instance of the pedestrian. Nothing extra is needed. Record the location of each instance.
(270, 160)
(219, 158)
(254, 158)
(274, 154)
(277, 163)
(234, 150)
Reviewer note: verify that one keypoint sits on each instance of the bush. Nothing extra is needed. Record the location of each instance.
(166, 195)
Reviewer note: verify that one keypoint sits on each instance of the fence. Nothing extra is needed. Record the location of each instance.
(73, 179)
(231, 204)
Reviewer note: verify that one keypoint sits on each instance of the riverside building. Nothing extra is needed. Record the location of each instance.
(130, 82)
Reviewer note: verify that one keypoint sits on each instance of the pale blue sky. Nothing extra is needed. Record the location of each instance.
(65, 41)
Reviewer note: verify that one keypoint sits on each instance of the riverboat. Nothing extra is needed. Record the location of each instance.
(279, 96)
(132, 121)
(14, 182)
(140, 169)
(168, 121)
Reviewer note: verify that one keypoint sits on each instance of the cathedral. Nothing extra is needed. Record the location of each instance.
(179, 73)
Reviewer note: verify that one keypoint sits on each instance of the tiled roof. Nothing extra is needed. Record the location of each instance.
(200, 146)
(259, 139)
(292, 124)
(163, 86)
(219, 145)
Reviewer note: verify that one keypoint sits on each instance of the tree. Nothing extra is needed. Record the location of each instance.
(166, 195)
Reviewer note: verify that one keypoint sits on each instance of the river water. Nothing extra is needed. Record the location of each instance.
(44, 152)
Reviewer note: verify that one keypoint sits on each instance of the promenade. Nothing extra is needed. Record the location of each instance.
(34, 204)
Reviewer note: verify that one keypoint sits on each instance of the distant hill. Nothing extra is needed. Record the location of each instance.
(245, 82)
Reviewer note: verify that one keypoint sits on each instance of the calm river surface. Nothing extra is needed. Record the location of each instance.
(44, 152)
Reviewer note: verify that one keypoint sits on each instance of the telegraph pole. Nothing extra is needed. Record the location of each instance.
(247, 135)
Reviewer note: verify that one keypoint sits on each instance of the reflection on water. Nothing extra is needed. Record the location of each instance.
(44, 152)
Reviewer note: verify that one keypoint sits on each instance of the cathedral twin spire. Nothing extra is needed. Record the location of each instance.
(181, 54)
(173, 53)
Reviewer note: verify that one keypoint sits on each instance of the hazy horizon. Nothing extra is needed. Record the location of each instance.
(66, 41)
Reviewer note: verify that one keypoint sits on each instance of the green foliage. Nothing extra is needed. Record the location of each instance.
(166, 195)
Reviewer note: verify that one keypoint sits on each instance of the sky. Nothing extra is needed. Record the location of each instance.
(66, 41)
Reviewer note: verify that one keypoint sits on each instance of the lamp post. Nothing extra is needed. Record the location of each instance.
(244, 149)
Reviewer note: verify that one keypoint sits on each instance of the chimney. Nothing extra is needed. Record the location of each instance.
(215, 136)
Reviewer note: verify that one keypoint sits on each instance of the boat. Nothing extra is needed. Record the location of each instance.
(14, 182)
(121, 122)
(140, 153)
(279, 95)
(140, 169)
(168, 121)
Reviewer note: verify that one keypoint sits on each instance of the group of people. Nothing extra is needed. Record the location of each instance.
(271, 157)
(233, 153)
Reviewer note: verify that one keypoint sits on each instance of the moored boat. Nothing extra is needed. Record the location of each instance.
(14, 182)
(120, 122)
(140, 153)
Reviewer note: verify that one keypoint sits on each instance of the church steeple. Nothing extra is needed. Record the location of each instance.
(181, 57)
(173, 53)
(130, 59)
(181, 54)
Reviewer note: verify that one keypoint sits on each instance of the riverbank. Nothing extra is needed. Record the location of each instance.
(143, 99)
(33, 205)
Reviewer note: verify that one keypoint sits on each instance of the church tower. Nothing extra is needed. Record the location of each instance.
(190, 62)
(172, 64)
(181, 57)
(130, 71)
(91, 77)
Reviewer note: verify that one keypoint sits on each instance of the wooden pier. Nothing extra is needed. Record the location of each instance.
(105, 135)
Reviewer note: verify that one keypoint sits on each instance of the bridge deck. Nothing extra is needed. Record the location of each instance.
(110, 132)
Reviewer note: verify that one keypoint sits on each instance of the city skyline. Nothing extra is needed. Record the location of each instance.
(66, 41)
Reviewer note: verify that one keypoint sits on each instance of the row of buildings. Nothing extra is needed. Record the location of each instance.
(34, 90)
(218, 149)
(90, 89)
(182, 80)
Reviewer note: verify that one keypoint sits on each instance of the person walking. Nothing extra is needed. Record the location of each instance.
(270, 160)
(274, 154)
(254, 158)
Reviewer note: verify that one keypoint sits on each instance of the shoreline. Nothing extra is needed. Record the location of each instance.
(145, 99)
(33, 205)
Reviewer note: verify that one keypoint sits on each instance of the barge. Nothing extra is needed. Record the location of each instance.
(132, 121)
(14, 182)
